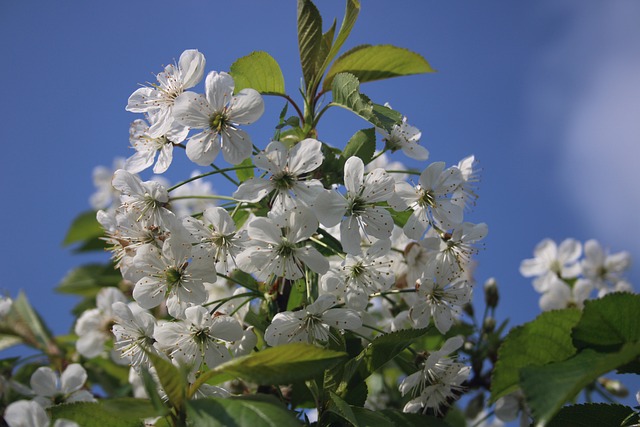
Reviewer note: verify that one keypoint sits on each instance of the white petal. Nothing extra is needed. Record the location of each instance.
(226, 328)
(329, 207)
(253, 190)
(140, 161)
(203, 148)
(353, 174)
(191, 65)
(236, 146)
(25, 413)
(218, 89)
(246, 107)
(342, 318)
(164, 159)
(192, 110)
(44, 382)
(305, 156)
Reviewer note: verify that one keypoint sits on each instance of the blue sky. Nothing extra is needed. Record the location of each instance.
(545, 94)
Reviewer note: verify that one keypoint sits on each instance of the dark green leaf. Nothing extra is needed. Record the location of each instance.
(369, 63)
(87, 280)
(239, 412)
(401, 419)
(546, 339)
(84, 227)
(342, 408)
(362, 144)
(592, 414)
(309, 39)
(549, 387)
(608, 323)
(368, 418)
(258, 71)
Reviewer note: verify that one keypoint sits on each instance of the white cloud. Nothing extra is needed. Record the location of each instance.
(586, 105)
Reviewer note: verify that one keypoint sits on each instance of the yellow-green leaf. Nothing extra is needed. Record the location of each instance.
(369, 63)
(258, 71)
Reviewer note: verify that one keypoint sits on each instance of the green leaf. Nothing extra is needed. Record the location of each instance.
(368, 418)
(342, 408)
(258, 71)
(369, 63)
(380, 351)
(400, 218)
(549, 387)
(89, 279)
(546, 339)
(247, 171)
(284, 364)
(401, 419)
(362, 144)
(172, 380)
(27, 324)
(84, 227)
(122, 412)
(608, 323)
(592, 414)
(298, 295)
(309, 39)
(239, 412)
(351, 13)
(346, 94)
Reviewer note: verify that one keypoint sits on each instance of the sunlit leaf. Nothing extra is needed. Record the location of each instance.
(546, 339)
(309, 39)
(369, 63)
(258, 71)
(362, 144)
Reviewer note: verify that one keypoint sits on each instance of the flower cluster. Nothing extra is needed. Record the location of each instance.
(566, 280)
(333, 239)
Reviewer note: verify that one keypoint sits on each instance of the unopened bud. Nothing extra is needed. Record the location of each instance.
(491, 296)
(489, 324)
(468, 308)
(614, 387)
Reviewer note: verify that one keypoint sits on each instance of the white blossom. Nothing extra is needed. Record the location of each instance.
(94, 326)
(219, 113)
(51, 388)
(26, 413)
(551, 261)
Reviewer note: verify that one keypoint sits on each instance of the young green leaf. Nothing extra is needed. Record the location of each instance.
(258, 71)
(346, 94)
(26, 323)
(247, 171)
(608, 323)
(342, 408)
(351, 13)
(123, 412)
(173, 381)
(369, 63)
(546, 339)
(309, 39)
(239, 412)
(362, 144)
(549, 387)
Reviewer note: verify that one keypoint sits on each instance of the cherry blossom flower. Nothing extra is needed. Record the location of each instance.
(440, 299)
(5, 306)
(278, 247)
(160, 98)
(551, 261)
(604, 270)
(404, 137)
(94, 326)
(219, 113)
(357, 210)
(200, 337)
(430, 200)
(147, 199)
(51, 388)
(148, 146)
(217, 233)
(360, 275)
(312, 323)
(133, 333)
(558, 294)
(437, 382)
(287, 169)
(465, 194)
(105, 195)
(175, 274)
(26, 413)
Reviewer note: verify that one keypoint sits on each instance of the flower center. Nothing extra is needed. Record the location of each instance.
(173, 276)
(357, 206)
(284, 180)
(218, 121)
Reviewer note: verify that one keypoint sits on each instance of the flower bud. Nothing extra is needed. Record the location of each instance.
(491, 296)
(489, 324)
(614, 387)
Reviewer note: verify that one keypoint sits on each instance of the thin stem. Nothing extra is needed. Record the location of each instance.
(392, 292)
(378, 155)
(324, 245)
(292, 102)
(212, 197)
(194, 178)
(408, 172)
(223, 172)
(321, 113)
